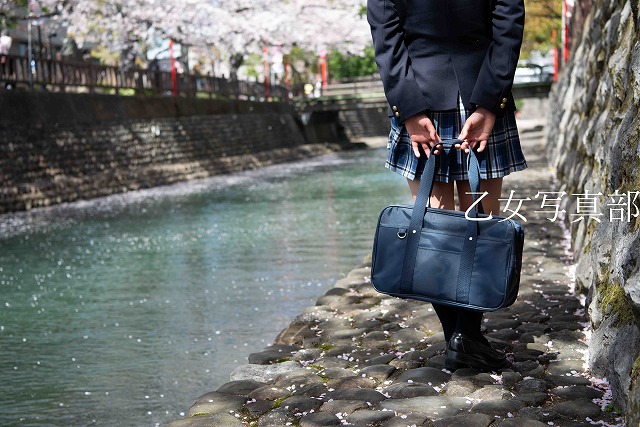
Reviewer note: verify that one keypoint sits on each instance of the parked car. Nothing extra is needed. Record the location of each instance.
(532, 73)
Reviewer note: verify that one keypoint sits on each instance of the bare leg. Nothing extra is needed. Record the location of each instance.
(441, 194)
(490, 203)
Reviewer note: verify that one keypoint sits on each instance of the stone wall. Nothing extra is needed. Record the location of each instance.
(594, 144)
(59, 147)
(365, 122)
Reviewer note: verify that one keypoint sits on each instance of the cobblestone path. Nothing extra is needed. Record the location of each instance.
(364, 359)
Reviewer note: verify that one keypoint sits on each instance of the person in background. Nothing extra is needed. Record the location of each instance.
(6, 63)
(447, 67)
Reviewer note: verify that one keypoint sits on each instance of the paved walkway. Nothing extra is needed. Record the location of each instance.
(364, 359)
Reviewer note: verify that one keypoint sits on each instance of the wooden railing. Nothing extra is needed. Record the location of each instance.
(370, 87)
(79, 76)
(368, 92)
(362, 87)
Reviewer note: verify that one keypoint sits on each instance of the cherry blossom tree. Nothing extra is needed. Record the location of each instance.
(235, 27)
(312, 25)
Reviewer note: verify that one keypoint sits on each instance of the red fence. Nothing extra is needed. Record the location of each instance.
(62, 75)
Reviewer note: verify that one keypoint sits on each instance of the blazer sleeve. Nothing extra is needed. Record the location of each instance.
(493, 87)
(392, 57)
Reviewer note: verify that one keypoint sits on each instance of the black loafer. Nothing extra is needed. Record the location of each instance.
(466, 352)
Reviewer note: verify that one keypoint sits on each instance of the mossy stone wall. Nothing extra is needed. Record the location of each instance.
(593, 138)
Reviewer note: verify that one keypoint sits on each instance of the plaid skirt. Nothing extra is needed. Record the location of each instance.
(501, 156)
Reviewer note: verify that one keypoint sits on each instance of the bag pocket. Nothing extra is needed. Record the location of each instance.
(437, 265)
(387, 258)
(491, 273)
(436, 273)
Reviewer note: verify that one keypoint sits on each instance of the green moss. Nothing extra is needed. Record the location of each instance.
(314, 366)
(425, 331)
(634, 9)
(589, 237)
(613, 300)
(278, 402)
(325, 347)
(631, 182)
(200, 414)
(247, 417)
(325, 379)
(612, 409)
(635, 370)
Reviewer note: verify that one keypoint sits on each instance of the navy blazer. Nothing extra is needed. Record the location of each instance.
(429, 51)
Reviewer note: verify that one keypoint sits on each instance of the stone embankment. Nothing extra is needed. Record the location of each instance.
(594, 144)
(364, 359)
(60, 148)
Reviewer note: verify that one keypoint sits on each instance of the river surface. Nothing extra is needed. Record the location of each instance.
(123, 310)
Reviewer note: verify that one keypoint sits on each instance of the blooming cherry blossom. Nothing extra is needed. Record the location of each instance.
(233, 27)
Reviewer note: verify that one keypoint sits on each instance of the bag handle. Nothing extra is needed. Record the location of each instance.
(417, 218)
(473, 167)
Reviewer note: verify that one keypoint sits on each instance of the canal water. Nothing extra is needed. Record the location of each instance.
(122, 311)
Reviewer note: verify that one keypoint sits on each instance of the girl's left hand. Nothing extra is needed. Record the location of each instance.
(476, 130)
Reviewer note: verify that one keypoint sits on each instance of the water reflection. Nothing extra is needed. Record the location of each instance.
(122, 311)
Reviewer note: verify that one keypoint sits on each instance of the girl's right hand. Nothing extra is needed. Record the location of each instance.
(477, 130)
(422, 133)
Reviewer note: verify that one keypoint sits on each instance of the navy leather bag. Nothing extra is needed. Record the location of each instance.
(440, 256)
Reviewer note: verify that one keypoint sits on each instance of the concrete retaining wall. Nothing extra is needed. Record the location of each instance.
(365, 122)
(58, 148)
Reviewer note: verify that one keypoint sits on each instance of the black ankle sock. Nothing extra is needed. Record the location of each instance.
(448, 318)
(469, 323)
